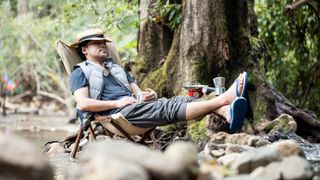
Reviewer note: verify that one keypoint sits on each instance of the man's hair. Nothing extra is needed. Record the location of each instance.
(79, 49)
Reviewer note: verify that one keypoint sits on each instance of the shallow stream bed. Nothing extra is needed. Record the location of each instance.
(42, 129)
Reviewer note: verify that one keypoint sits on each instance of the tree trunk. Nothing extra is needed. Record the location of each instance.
(154, 38)
(3, 97)
(218, 38)
(22, 13)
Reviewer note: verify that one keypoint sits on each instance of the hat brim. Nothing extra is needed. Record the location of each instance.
(76, 44)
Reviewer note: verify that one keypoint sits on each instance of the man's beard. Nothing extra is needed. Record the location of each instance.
(101, 58)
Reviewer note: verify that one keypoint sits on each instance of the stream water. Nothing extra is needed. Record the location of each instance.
(313, 155)
(39, 130)
(42, 129)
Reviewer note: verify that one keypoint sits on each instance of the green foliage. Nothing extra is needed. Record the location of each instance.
(27, 40)
(202, 75)
(293, 46)
(157, 80)
(28, 47)
(119, 18)
(167, 13)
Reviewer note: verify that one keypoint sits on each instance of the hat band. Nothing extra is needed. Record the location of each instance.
(91, 36)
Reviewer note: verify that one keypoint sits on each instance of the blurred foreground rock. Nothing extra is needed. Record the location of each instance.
(116, 160)
(265, 155)
(123, 160)
(20, 160)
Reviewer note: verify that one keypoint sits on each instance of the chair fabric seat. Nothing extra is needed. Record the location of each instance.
(124, 124)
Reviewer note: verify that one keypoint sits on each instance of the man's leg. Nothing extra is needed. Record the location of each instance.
(224, 111)
(195, 110)
(167, 111)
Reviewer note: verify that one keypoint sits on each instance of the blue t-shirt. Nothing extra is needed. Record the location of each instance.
(112, 90)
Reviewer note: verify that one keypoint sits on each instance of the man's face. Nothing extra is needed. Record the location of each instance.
(95, 50)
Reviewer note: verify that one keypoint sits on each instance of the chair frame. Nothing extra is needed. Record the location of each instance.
(110, 134)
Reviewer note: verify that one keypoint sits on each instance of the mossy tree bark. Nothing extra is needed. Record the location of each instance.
(154, 38)
(218, 38)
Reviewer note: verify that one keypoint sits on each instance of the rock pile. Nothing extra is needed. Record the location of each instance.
(181, 161)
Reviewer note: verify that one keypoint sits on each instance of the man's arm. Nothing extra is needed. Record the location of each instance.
(135, 88)
(151, 94)
(93, 105)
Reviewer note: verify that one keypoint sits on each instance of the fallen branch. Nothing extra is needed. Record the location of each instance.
(53, 96)
(21, 96)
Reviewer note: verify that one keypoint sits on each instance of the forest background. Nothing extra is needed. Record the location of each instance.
(29, 29)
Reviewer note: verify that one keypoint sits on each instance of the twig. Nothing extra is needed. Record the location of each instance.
(292, 7)
(20, 96)
(94, 9)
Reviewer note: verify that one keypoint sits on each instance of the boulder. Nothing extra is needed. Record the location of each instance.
(250, 160)
(119, 159)
(99, 167)
(218, 150)
(293, 167)
(288, 148)
(19, 159)
(184, 154)
(238, 138)
(55, 148)
(284, 124)
(234, 148)
(247, 161)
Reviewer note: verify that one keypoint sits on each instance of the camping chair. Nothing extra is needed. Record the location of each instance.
(115, 124)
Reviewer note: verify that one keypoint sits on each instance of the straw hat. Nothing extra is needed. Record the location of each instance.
(90, 34)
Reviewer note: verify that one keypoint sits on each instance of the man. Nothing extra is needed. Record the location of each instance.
(101, 86)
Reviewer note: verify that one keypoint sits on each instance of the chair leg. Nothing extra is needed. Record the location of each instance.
(76, 144)
(108, 133)
(146, 134)
(153, 138)
(121, 130)
(92, 133)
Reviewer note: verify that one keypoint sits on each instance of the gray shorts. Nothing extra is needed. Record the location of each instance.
(157, 113)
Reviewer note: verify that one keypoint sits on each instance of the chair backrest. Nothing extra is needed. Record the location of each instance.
(70, 57)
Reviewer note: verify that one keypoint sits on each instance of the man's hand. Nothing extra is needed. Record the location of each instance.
(150, 95)
(125, 101)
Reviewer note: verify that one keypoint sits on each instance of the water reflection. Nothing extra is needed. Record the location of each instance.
(38, 129)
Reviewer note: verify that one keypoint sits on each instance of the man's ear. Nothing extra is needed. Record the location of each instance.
(84, 50)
